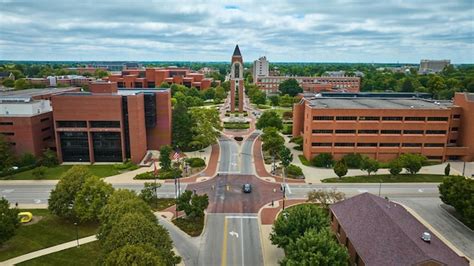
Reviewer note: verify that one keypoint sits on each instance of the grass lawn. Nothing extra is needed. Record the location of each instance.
(303, 160)
(191, 227)
(55, 173)
(281, 110)
(49, 231)
(162, 204)
(87, 254)
(386, 178)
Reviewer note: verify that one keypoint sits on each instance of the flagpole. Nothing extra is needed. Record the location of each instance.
(156, 192)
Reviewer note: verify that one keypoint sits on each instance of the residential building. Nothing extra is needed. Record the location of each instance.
(26, 119)
(385, 127)
(432, 66)
(109, 124)
(377, 231)
(260, 68)
(6, 74)
(154, 77)
(311, 84)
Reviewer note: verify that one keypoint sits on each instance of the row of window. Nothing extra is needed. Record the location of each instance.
(384, 118)
(384, 131)
(95, 124)
(6, 123)
(351, 144)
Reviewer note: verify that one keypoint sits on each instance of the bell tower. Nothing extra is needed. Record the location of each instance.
(237, 80)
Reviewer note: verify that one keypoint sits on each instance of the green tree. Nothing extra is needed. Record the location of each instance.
(22, 84)
(274, 100)
(340, 168)
(353, 160)
(322, 160)
(165, 157)
(63, 196)
(286, 100)
(325, 197)
(192, 204)
(49, 158)
(91, 199)
(286, 158)
(447, 169)
(259, 97)
(407, 85)
(458, 192)
(148, 193)
(6, 154)
(182, 124)
(136, 229)
(412, 162)
(270, 119)
(9, 83)
(290, 87)
(395, 167)
(296, 220)
(369, 165)
(436, 84)
(8, 220)
(219, 95)
(206, 125)
(139, 254)
(39, 172)
(100, 73)
(273, 142)
(121, 202)
(316, 248)
(164, 85)
(27, 159)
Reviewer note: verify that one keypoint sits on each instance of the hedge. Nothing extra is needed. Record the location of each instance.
(196, 162)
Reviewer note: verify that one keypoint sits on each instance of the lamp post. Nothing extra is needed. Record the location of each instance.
(77, 234)
(380, 186)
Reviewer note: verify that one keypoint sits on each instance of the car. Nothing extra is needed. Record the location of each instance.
(247, 188)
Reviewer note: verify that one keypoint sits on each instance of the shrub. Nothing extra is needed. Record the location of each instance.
(27, 159)
(127, 165)
(340, 168)
(413, 162)
(369, 165)
(287, 130)
(39, 172)
(294, 170)
(49, 158)
(287, 115)
(297, 140)
(146, 175)
(170, 174)
(322, 160)
(353, 160)
(447, 169)
(196, 162)
(396, 167)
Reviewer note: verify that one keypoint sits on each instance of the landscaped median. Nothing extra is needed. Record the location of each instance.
(236, 125)
(387, 178)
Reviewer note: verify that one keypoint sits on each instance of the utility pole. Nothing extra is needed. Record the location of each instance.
(464, 169)
(284, 187)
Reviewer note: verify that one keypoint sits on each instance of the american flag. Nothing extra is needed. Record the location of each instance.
(176, 155)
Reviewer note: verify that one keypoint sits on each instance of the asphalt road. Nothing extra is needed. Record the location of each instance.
(229, 156)
(247, 167)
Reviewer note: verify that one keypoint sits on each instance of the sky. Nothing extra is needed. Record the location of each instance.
(371, 31)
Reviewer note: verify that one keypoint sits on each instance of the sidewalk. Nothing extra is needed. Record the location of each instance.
(49, 250)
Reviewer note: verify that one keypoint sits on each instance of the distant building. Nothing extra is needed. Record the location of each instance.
(260, 68)
(109, 124)
(26, 119)
(6, 74)
(377, 231)
(207, 70)
(83, 70)
(153, 77)
(311, 84)
(341, 73)
(432, 66)
(384, 126)
(67, 80)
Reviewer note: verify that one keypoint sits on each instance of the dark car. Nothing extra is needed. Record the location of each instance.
(247, 188)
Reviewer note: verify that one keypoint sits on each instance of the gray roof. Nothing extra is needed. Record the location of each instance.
(237, 51)
(33, 92)
(384, 233)
(470, 97)
(375, 103)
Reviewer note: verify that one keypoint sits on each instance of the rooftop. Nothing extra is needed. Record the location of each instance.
(29, 93)
(394, 234)
(128, 91)
(375, 103)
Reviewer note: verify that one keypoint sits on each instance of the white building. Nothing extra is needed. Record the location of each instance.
(432, 66)
(260, 68)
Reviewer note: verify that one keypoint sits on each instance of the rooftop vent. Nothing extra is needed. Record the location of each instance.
(426, 237)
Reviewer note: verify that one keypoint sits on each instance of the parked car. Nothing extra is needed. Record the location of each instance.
(247, 188)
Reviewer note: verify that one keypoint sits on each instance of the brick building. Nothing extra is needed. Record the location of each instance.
(311, 84)
(153, 77)
(67, 80)
(237, 80)
(377, 231)
(109, 124)
(386, 127)
(26, 119)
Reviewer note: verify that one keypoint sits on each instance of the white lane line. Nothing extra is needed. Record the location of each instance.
(288, 189)
(420, 190)
(241, 217)
(362, 190)
(8, 190)
(242, 240)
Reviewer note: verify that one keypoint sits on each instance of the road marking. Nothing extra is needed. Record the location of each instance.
(224, 245)
(37, 201)
(420, 190)
(242, 240)
(362, 190)
(241, 217)
(288, 189)
(8, 190)
(232, 233)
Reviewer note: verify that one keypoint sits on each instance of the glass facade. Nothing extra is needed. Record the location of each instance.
(107, 146)
(74, 146)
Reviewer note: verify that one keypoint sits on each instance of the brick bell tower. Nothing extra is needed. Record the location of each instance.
(237, 79)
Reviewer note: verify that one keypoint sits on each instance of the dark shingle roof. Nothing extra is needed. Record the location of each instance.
(384, 233)
(237, 51)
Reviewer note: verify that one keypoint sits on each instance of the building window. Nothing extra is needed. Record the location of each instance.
(411, 145)
(371, 118)
(453, 141)
(454, 129)
(323, 117)
(346, 117)
(415, 118)
(8, 133)
(389, 144)
(413, 132)
(46, 138)
(344, 144)
(456, 116)
(438, 118)
(71, 123)
(366, 144)
(321, 144)
(434, 157)
(390, 131)
(322, 131)
(435, 132)
(105, 124)
(13, 143)
(368, 131)
(74, 146)
(107, 146)
(434, 144)
(6, 123)
(44, 119)
(345, 131)
(392, 118)
(45, 129)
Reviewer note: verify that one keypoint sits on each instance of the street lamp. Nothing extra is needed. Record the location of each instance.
(77, 234)
(380, 186)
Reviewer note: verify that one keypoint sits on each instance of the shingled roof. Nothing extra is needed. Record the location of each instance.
(385, 233)
(236, 51)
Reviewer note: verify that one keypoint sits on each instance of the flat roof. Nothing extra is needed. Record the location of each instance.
(29, 93)
(127, 91)
(375, 103)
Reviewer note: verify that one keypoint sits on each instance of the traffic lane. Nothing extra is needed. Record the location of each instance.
(210, 247)
(453, 230)
(224, 154)
(247, 166)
